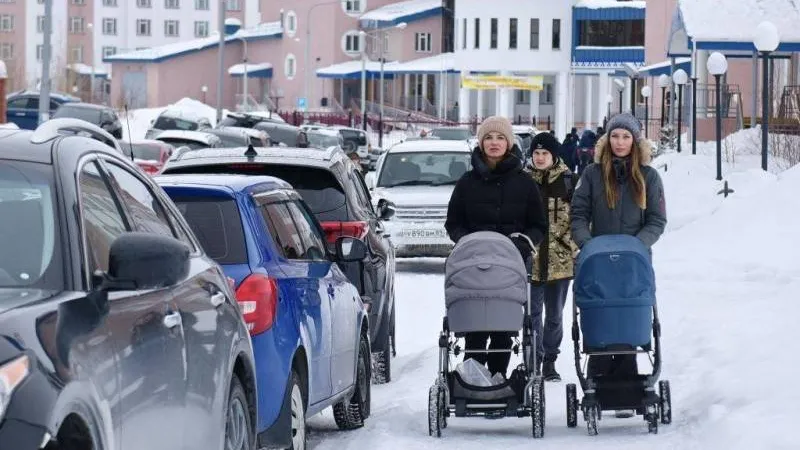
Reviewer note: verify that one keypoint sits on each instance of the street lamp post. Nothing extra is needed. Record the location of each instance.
(620, 88)
(717, 65)
(680, 78)
(307, 66)
(766, 41)
(361, 42)
(90, 27)
(245, 91)
(609, 101)
(646, 91)
(363, 35)
(663, 83)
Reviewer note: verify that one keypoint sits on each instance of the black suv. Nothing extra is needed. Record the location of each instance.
(112, 318)
(102, 116)
(334, 189)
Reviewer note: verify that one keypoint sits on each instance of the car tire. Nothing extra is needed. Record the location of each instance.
(298, 431)
(351, 413)
(239, 433)
(382, 359)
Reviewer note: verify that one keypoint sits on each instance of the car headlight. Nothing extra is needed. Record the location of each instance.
(12, 374)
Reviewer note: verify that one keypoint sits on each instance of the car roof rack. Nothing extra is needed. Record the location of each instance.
(65, 126)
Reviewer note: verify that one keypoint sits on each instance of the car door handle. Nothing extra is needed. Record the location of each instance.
(172, 320)
(217, 299)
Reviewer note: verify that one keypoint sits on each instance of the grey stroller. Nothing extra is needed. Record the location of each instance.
(487, 289)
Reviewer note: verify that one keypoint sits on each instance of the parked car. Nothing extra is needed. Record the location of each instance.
(177, 119)
(192, 139)
(452, 133)
(102, 116)
(354, 139)
(526, 134)
(324, 138)
(418, 177)
(283, 134)
(231, 137)
(23, 107)
(333, 188)
(117, 330)
(149, 154)
(312, 350)
(79, 127)
(258, 138)
(249, 119)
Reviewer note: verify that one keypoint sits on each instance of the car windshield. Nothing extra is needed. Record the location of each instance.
(177, 142)
(29, 247)
(451, 134)
(218, 226)
(320, 140)
(150, 152)
(423, 168)
(173, 123)
(357, 137)
(91, 115)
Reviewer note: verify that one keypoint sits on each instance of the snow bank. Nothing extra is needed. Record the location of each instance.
(726, 20)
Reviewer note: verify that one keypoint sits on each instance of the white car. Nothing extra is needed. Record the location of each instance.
(417, 179)
(192, 139)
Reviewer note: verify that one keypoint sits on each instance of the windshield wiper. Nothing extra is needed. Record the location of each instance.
(444, 183)
(412, 183)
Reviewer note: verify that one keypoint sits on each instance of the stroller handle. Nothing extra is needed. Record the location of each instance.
(525, 237)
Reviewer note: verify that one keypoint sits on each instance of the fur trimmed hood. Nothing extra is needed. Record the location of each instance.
(645, 149)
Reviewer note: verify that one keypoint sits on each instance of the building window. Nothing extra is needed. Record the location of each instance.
(354, 6)
(201, 5)
(546, 98)
(233, 5)
(110, 27)
(143, 4)
(512, 33)
(109, 51)
(464, 34)
(493, 35)
(7, 50)
(76, 25)
(143, 27)
(76, 54)
(523, 97)
(422, 42)
(172, 4)
(40, 24)
(351, 43)
(534, 34)
(291, 23)
(556, 34)
(290, 66)
(39, 52)
(201, 28)
(111, 3)
(477, 33)
(171, 28)
(6, 22)
(612, 33)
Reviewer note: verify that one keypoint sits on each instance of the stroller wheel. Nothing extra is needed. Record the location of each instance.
(434, 411)
(665, 406)
(591, 414)
(572, 406)
(538, 408)
(651, 416)
(442, 403)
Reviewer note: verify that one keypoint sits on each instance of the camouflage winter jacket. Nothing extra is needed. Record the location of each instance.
(555, 259)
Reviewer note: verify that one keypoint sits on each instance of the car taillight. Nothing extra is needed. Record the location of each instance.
(258, 298)
(335, 230)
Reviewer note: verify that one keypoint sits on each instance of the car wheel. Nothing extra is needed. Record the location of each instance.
(351, 413)
(297, 402)
(239, 433)
(393, 336)
(382, 359)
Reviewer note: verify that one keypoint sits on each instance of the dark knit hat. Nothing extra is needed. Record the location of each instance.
(545, 141)
(496, 124)
(627, 122)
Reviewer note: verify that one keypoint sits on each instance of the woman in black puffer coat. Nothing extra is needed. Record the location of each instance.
(496, 195)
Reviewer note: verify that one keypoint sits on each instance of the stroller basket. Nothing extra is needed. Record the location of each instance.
(486, 284)
(614, 288)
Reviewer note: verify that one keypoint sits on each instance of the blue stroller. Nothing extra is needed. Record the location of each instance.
(614, 311)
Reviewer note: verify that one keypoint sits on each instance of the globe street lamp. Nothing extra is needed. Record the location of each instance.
(663, 83)
(717, 65)
(646, 91)
(766, 41)
(680, 78)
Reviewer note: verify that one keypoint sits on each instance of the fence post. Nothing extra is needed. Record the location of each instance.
(350, 118)
(380, 132)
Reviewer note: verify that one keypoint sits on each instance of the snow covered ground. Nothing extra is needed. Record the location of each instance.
(728, 284)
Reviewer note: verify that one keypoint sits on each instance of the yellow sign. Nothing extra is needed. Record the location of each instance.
(525, 83)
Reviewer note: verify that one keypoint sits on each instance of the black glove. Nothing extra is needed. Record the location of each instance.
(523, 247)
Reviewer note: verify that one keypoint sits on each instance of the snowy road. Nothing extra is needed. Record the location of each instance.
(728, 285)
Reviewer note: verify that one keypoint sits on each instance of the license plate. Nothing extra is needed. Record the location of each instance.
(424, 233)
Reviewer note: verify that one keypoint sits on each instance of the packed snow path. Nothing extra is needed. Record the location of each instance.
(728, 285)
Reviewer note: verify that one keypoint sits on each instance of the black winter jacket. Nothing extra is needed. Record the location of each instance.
(505, 200)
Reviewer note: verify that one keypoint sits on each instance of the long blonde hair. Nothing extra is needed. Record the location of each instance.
(635, 175)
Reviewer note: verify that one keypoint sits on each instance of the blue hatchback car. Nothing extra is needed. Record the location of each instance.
(308, 325)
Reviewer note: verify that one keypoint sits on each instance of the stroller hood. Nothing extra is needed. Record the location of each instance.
(614, 269)
(486, 284)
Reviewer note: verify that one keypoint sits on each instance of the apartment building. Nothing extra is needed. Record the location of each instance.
(85, 31)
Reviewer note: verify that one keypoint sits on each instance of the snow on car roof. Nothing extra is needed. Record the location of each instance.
(431, 145)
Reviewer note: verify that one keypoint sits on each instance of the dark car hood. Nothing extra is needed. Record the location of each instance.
(11, 298)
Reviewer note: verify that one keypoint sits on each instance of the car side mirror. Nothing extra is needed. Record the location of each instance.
(369, 179)
(386, 209)
(145, 261)
(350, 249)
